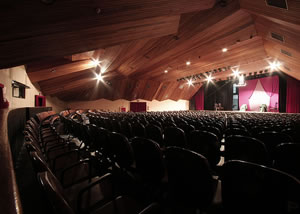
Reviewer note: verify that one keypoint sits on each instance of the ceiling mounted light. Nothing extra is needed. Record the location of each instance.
(236, 73)
(166, 71)
(209, 79)
(274, 65)
(224, 50)
(99, 77)
(188, 63)
(95, 62)
(190, 82)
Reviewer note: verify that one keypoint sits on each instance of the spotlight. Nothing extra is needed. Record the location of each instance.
(236, 73)
(188, 63)
(209, 78)
(224, 50)
(166, 71)
(99, 77)
(274, 65)
(95, 62)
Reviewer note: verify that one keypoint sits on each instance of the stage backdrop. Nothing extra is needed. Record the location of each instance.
(260, 91)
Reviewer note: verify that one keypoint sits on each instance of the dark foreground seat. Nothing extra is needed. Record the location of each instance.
(191, 184)
(252, 188)
(287, 158)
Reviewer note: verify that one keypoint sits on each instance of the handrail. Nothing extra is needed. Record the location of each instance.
(10, 202)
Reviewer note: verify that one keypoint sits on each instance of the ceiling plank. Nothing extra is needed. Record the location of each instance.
(240, 53)
(237, 25)
(265, 27)
(29, 49)
(290, 64)
(258, 7)
(34, 18)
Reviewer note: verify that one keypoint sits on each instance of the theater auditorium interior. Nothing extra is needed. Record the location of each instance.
(150, 107)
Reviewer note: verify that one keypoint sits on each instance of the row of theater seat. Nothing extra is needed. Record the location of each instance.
(71, 179)
(125, 175)
(259, 144)
(186, 188)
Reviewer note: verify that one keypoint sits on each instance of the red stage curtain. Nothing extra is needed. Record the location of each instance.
(199, 99)
(271, 87)
(246, 92)
(292, 95)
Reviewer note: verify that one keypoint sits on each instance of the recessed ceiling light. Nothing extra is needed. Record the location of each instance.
(224, 50)
(188, 63)
(166, 71)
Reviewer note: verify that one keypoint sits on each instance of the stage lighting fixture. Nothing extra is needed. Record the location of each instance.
(236, 73)
(241, 81)
(209, 79)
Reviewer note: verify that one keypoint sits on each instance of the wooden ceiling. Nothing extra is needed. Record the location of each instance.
(136, 41)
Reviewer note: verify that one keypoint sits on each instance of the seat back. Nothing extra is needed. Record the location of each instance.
(187, 128)
(206, 144)
(174, 136)
(154, 132)
(138, 129)
(252, 188)
(189, 178)
(119, 150)
(287, 158)
(271, 139)
(213, 130)
(100, 137)
(126, 129)
(54, 193)
(38, 162)
(238, 147)
(148, 159)
(236, 131)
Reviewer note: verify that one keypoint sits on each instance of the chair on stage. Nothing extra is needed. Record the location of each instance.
(263, 108)
(243, 107)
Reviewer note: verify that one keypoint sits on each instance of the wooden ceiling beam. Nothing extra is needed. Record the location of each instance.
(59, 70)
(68, 86)
(81, 56)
